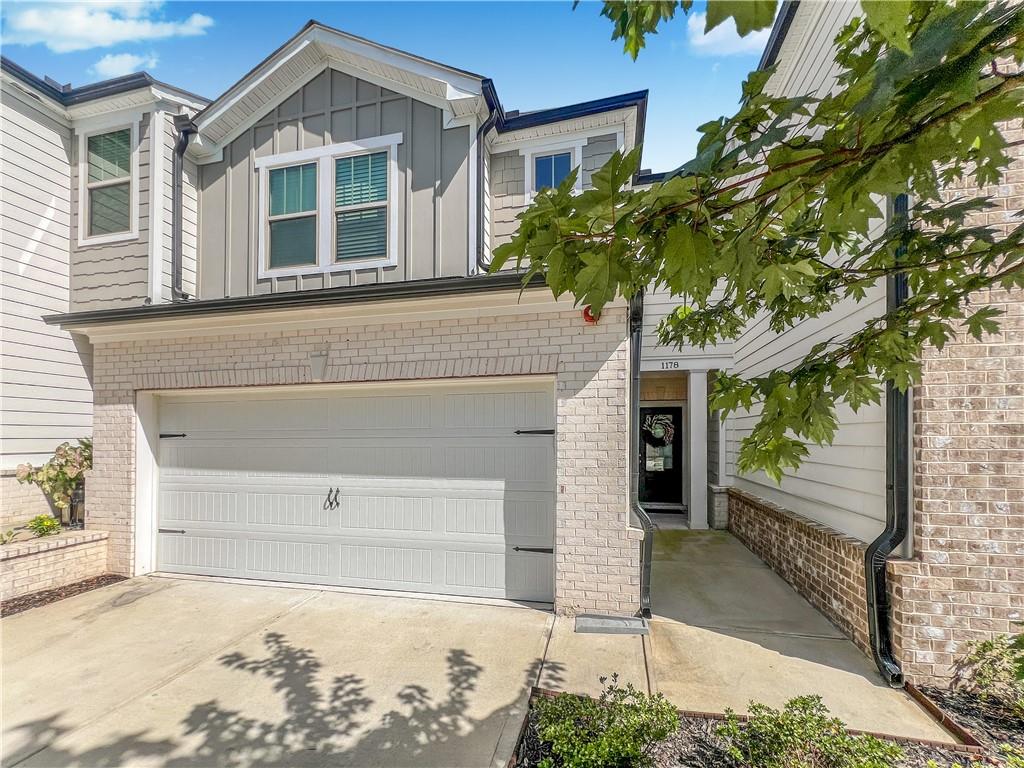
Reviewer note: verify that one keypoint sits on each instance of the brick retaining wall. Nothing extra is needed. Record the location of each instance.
(33, 565)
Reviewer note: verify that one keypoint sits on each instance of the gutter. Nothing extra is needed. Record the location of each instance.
(636, 322)
(897, 495)
(347, 294)
(185, 128)
(494, 116)
(778, 34)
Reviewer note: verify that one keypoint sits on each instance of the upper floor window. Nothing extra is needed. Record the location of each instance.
(292, 218)
(329, 208)
(107, 185)
(550, 170)
(361, 207)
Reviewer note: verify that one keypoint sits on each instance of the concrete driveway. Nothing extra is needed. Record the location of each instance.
(175, 672)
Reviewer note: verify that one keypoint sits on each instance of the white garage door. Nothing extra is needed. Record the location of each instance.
(426, 487)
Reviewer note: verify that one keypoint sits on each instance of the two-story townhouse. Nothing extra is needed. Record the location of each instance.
(300, 369)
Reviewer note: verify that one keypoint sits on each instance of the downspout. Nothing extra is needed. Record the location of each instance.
(183, 125)
(897, 496)
(494, 114)
(636, 323)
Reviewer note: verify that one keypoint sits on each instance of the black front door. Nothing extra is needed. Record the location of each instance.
(661, 456)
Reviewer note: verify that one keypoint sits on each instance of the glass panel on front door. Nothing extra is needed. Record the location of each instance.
(661, 456)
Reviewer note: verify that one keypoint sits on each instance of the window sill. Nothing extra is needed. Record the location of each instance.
(121, 237)
(347, 266)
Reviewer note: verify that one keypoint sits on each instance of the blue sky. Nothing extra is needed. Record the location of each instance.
(539, 54)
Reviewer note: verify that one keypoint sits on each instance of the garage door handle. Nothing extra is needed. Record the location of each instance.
(170, 530)
(172, 434)
(535, 431)
(546, 550)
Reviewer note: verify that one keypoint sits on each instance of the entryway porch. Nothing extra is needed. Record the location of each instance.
(727, 630)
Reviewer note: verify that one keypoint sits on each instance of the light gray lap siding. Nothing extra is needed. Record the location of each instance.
(432, 197)
(115, 274)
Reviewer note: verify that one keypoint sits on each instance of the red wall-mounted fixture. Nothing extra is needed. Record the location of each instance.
(589, 316)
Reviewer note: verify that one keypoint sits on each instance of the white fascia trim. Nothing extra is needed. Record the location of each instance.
(156, 207)
(37, 99)
(178, 99)
(324, 157)
(272, 66)
(104, 124)
(458, 85)
(204, 150)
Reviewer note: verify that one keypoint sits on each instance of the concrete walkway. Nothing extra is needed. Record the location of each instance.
(728, 630)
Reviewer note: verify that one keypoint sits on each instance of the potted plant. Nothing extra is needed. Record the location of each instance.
(62, 479)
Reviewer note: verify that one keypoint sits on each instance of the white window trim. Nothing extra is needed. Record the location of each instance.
(84, 240)
(575, 150)
(324, 158)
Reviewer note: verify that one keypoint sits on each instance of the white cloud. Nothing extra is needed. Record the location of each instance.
(723, 40)
(79, 26)
(117, 64)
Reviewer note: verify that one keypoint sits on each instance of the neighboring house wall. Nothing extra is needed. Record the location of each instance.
(841, 486)
(432, 197)
(596, 551)
(967, 577)
(45, 394)
(115, 274)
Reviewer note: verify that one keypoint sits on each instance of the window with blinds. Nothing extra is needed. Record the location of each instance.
(109, 182)
(361, 207)
(292, 216)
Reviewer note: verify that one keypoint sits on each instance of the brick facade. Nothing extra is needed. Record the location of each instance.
(33, 565)
(596, 551)
(967, 578)
(19, 502)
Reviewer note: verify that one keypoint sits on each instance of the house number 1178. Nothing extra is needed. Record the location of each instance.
(669, 364)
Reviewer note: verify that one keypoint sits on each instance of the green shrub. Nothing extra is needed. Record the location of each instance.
(59, 476)
(802, 735)
(614, 731)
(994, 670)
(43, 525)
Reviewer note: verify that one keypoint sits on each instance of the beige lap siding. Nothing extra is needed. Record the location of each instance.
(596, 552)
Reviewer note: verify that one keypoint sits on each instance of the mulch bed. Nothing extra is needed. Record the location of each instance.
(34, 600)
(696, 745)
(987, 721)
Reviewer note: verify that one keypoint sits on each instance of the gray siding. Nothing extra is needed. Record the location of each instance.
(596, 152)
(45, 392)
(432, 196)
(113, 275)
(507, 195)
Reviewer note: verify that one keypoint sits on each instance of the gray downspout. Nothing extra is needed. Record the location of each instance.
(636, 322)
(897, 496)
(183, 125)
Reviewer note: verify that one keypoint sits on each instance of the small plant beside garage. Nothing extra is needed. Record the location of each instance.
(62, 480)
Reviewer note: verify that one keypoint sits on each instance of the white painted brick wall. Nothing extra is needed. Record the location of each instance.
(597, 553)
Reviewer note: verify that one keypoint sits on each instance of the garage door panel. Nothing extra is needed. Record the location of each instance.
(428, 491)
(229, 416)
